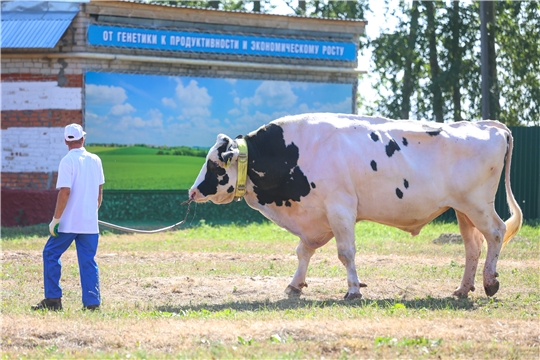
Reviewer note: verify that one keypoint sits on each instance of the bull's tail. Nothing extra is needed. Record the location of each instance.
(513, 224)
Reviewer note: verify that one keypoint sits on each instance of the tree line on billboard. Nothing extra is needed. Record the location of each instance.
(163, 150)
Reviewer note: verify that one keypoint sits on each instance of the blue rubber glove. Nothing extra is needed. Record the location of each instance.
(53, 227)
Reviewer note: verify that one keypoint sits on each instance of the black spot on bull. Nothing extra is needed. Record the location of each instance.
(373, 165)
(392, 147)
(212, 179)
(399, 193)
(273, 168)
(405, 183)
(374, 136)
(405, 142)
(224, 180)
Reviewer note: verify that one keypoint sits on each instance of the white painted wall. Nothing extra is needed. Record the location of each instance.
(37, 149)
(37, 95)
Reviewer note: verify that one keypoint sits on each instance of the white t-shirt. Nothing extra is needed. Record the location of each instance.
(82, 172)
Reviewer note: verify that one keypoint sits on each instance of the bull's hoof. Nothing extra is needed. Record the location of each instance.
(352, 296)
(292, 291)
(492, 289)
(462, 292)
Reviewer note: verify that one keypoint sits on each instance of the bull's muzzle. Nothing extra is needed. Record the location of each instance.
(194, 194)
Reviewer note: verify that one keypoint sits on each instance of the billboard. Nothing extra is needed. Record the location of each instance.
(152, 131)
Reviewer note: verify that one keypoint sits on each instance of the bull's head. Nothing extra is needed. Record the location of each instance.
(217, 179)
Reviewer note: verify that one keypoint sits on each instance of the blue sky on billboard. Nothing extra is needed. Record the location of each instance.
(191, 111)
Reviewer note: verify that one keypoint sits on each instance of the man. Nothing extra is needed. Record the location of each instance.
(80, 180)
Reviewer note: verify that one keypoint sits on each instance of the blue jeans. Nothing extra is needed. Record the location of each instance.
(86, 245)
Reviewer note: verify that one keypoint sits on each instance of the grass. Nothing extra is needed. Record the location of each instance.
(140, 168)
(217, 292)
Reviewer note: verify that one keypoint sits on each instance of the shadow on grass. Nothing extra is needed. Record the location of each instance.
(295, 303)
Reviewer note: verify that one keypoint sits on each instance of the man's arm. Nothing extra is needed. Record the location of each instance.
(61, 201)
(100, 196)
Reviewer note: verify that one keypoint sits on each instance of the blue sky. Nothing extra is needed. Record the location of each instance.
(191, 111)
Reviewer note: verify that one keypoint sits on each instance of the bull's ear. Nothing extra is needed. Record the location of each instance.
(225, 149)
(223, 139)
(230, 155)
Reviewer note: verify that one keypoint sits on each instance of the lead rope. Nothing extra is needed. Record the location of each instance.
(126, 229)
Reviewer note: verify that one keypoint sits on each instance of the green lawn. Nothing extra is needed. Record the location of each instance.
(140, 168)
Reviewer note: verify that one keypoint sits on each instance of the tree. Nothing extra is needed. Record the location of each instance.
(444, 70)
(490, 92)
(410, 55)
(330, 9)
(397, 60)
(460, 39)
(518, 56)
(436, 81)
(301, 10)
(456, 53)
(220, 4)
(256, 6)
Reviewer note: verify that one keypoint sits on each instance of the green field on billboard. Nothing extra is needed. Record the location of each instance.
(148, 168)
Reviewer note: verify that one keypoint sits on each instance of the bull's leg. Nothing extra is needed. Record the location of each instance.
(298, 282)
(346, 254)
(494, 237)
(472, 239)
(342, 224)
(493, 229)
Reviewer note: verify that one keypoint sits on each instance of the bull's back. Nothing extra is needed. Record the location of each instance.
(401, 173)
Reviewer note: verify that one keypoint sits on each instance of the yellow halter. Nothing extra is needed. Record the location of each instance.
(242, 169)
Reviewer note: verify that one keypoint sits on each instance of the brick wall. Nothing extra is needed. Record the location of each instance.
(40, 118)
(35, 111)
(27, 207)
(29, 180)
(72, 80)
(31, 149)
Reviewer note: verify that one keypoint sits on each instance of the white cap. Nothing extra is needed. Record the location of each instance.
(73, 132)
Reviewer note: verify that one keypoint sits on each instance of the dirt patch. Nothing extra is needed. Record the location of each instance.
(122, 286)
(448, 238)
(166, 303)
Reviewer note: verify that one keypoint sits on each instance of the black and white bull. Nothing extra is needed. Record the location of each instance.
(316, 175)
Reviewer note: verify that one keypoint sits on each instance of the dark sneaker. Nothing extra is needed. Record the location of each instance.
(48, 304)
(91, 307)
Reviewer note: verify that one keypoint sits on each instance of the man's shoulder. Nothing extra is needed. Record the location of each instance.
(92, 155)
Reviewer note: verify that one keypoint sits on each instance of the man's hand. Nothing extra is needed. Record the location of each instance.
(53, 227)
